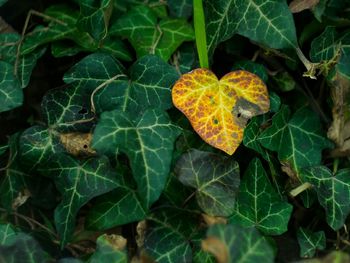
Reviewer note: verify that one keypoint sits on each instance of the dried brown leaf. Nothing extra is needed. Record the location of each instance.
(216, 247)
(297, 6)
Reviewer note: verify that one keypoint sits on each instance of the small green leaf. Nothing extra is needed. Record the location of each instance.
(298, 139)
(149, 86)
(215, 178)
(309, 242)
(324, 47)
(275, 102)
(148, 36)
(78, 182)
(25, 246)
(148, 142)
(168, 234)
(11, 94)
(7, 235)
(239, 244)
(37, 145)
(94, 17)
(26, 63)
(110, 249)
(267, 22)
(12, 183)
(258, 204)
(333, 192)
(285, 82)
(220, 22)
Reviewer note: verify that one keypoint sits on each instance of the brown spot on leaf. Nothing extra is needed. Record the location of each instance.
(216, 247)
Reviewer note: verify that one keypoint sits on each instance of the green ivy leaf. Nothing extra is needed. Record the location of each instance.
(240, 244)
(109, 250)
(13, 182)
(119, 207)
(78, 182)
(7, 235)
(3, 149)
(37, 145)
(298, 139)
(26, 63)
(168, 234)
(324, 47)
(309, 242)
(94, 70)
(258, 204)
(267, 22)
(94, 17)
(148, 36)
(11, 94)
(333, 192)
(220, 22)
(215, 178)
(251, 134)
(148, 142)
(182, 8)
(65, 109)
(149, 86)
(27, 247)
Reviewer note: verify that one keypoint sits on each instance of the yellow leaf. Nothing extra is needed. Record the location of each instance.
(219, 109)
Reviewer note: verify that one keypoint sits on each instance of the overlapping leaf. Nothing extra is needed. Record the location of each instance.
(309, 242)
(25, 63)
(168, 234)
(78, 182)
(94, 17)
(147, 36)
(148, 142)
(7, 235)
(149, 85)
(216, 179)
(258, 204)
(267, 22)
(13, 183)
(37, 145)
(110, 248)
(11, 94)
(298, 139)
(27, 247)
(333, 192)
(63, 27)
(220, 22)
(231, 243)
(219, 109)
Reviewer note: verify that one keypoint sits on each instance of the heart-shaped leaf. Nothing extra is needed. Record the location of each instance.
(219, 109)
(309, 242)
(258, 204)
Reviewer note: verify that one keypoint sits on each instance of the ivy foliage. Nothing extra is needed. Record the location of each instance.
(97, 165)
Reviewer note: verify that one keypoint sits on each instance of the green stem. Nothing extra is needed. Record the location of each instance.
(199, 29)
(335, 165)
(300, 189)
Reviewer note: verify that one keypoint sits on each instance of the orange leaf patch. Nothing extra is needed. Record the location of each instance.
(219, 109)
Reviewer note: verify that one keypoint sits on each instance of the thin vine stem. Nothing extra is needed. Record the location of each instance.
(199, 30)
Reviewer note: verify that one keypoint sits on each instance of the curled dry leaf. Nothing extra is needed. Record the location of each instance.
(219, 109)
(339, 131)
(297, 6)
(116, 241)
(212, 220)
(216, 247)
(21, 198)
(77, 144)
(141, 231)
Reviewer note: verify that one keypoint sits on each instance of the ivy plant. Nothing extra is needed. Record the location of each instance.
(174, 131)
